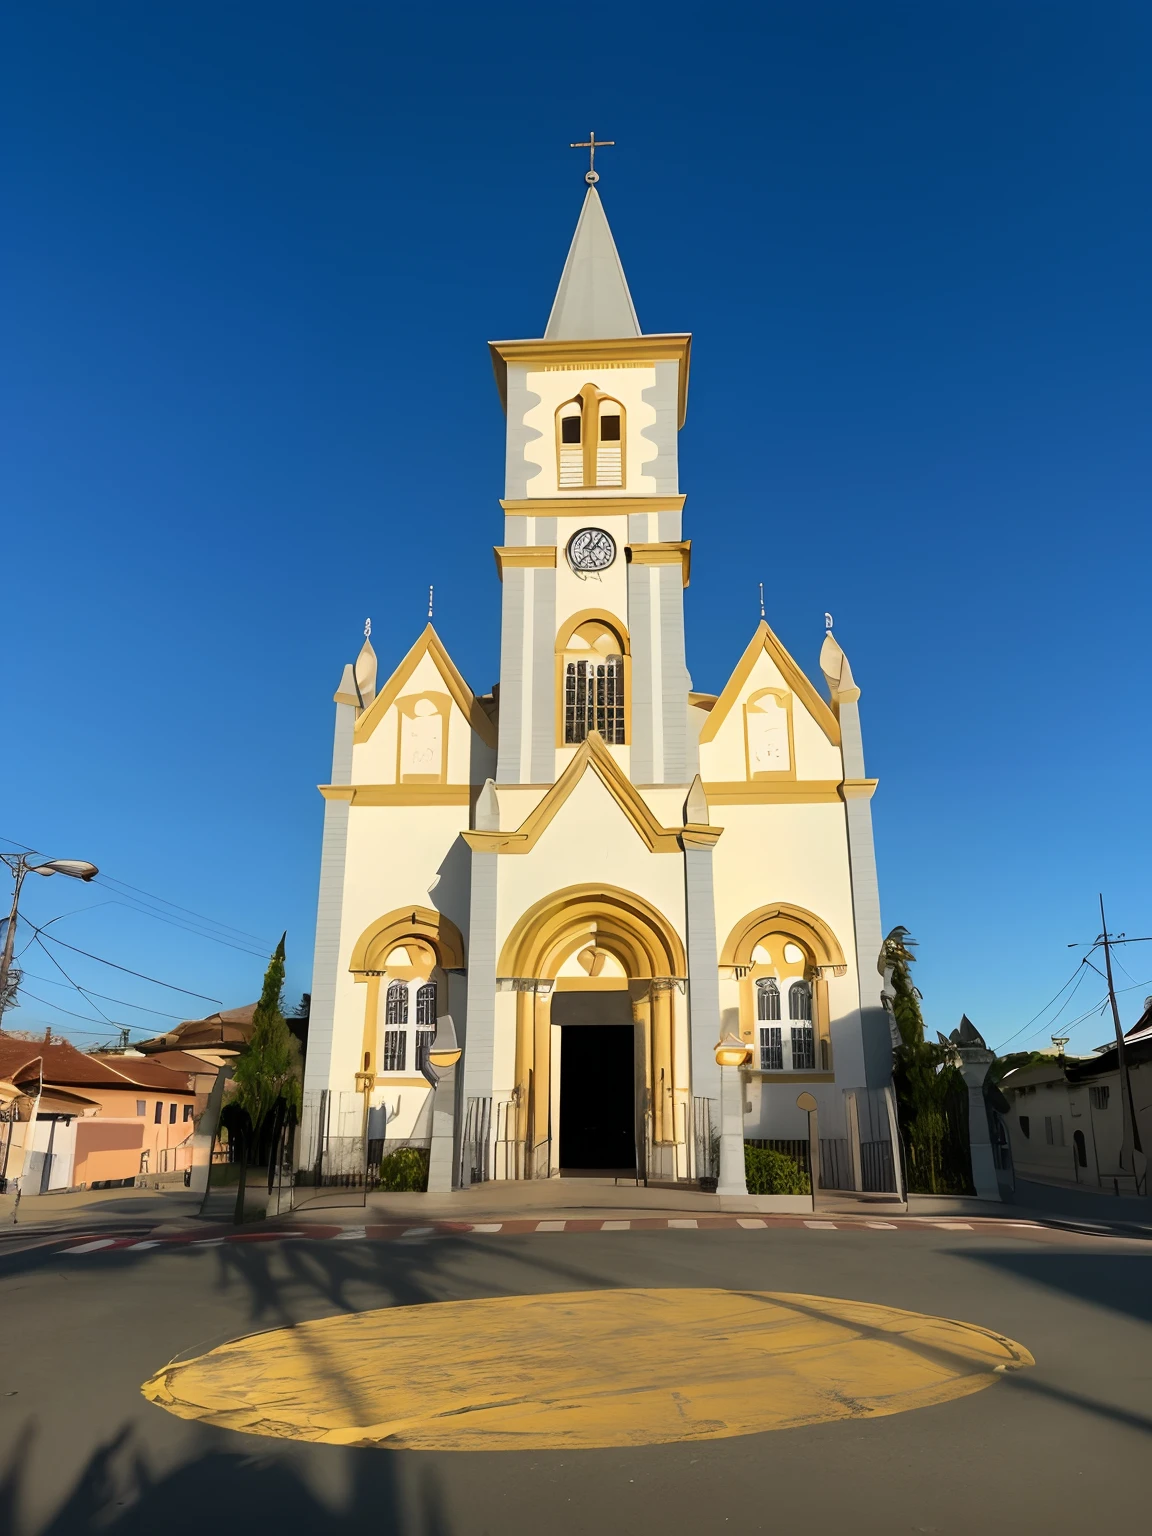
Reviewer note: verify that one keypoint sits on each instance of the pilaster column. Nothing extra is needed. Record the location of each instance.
(698, 840)
(329, 905)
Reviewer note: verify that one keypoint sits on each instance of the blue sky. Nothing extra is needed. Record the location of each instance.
(249, 251)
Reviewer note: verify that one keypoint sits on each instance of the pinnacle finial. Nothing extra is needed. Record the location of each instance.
(367, 629)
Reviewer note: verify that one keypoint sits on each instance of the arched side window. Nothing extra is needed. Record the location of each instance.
(590, 441)
(425, 1022)
(395, 1033)
(767, 999)
(803, 1039)
(594, 684)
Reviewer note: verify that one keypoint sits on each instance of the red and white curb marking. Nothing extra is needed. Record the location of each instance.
(396, 1231)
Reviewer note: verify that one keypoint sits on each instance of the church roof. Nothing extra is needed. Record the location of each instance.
(592, 301)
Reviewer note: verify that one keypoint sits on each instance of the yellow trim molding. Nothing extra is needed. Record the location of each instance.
(790, 1077)
(764, 640)
(520, 555)
(429, 644)
(591, 984)
(401, 794)
(591, 754)
(859, 789)
(782, 917)
(402, 1082)
(773, 792)
(663, 554)
(674, 346)
(574, 506)
(627, 926)
(381, 937)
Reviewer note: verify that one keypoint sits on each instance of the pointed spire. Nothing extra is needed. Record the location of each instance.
(592, 302)
(837, 672)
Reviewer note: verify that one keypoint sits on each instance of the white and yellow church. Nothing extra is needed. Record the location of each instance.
(594, 870)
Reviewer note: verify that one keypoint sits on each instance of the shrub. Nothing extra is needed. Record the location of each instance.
(773, 1173)
(404, 1169)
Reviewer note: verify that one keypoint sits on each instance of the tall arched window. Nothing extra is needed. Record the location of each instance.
(395, 1032)
(800, 1001)
(590, 434)
(594, 684)
(425, 1022)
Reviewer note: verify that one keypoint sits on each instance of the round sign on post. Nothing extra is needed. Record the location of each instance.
(807, 1103)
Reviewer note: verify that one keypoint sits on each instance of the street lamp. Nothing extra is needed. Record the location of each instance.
(732, 1053)
(78, 869)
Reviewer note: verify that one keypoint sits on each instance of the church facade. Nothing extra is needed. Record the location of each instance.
(596, 871)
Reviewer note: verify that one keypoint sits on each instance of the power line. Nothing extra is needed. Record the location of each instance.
(128, 971)
(1078, 972)
(163, 900)
(88, 992)
(68, 978)
(86, 1017)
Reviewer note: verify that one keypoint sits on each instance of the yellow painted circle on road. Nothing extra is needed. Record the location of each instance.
(584, 1369)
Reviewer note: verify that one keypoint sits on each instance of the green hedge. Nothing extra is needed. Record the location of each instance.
(773, 1173)
(404, 1169)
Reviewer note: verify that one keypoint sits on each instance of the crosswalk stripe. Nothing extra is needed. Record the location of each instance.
(824, 1226)
(953, 1226)
(418, 1232)
(152, 1242)
(550, 1226)
(487, 1226)
(689, 1223)
(615, 1226)
(883, 1226)
(750, 1221)
(101, 1242)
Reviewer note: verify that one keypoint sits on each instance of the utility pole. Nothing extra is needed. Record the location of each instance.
(79, 869)
(1132, 1157)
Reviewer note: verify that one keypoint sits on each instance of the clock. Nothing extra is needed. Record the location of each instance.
(591, 549)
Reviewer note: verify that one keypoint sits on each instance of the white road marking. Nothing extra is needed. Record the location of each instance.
(689, 1223)
(418, 1232)
(487, 1226)
(750, 1221)
(350, 1234)
(550, 1226)
(152, 1242)
(824, 1226)
(953, 1226)
(615, 1226)
(885, 1226)
(101, 1242)
(207, 1242)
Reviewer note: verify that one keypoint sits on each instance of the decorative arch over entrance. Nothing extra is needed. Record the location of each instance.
(651, 954)
(373, 945)
(812, 933)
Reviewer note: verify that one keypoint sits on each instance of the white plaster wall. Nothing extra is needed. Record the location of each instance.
(394, 856)
(374, 760)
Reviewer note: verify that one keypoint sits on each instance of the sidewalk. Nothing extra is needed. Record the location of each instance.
(84, 1208)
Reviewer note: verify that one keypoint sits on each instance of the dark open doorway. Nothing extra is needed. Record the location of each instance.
(598, 1098)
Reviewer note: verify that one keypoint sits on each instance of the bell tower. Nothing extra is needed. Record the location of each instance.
(593, 562)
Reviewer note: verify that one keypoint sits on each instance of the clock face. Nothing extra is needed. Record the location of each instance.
(591, 550)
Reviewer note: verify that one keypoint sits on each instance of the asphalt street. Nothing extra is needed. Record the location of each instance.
(1061, 1446)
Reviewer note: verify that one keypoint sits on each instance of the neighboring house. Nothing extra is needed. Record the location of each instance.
(1065, 1121)
(72, 1120)
(213, 1041)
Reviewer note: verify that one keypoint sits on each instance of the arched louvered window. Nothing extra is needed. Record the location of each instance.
(590, 434)
(767, 999)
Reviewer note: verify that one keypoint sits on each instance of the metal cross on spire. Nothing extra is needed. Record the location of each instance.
(592, 145)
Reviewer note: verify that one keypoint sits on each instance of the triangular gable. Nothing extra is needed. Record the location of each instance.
(590, 754)
(764, 640)
(429, 644)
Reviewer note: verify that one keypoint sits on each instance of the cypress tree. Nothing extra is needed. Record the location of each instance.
(268, 1073)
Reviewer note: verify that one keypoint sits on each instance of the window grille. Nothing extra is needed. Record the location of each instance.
(772, 1048)
(594, 699)
(426, 1006)
(803, 1048)
(800, 1001)
(767, 999)
(395, 1050)
(396, 1008)
(1099, 1097)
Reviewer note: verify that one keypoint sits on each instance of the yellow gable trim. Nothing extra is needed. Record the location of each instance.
(429, 644)
(575, 505)
(595, 755)
(529, 555)
(765, 640)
